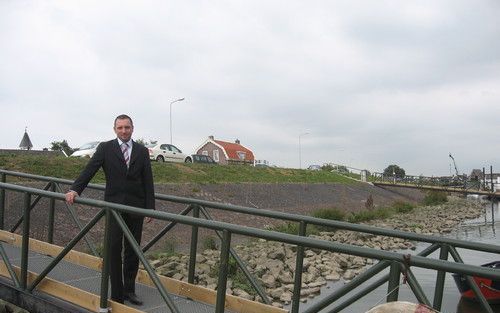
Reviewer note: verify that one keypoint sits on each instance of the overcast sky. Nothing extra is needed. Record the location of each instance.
(373, 83)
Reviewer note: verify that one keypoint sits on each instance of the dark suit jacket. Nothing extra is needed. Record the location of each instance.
(132, 186)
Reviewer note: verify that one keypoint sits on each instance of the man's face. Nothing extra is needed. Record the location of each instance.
(123, 129)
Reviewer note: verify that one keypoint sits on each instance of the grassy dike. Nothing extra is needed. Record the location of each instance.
(167, 173)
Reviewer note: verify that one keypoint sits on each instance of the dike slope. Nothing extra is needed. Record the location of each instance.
(292, 198)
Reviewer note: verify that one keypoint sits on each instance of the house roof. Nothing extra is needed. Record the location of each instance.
(232, 150)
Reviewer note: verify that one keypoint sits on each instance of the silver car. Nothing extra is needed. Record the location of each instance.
(162, 152)
(87, 150)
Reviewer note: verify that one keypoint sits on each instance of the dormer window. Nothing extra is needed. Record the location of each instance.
(241, 155)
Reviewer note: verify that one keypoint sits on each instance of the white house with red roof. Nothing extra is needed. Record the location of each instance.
(224, 152)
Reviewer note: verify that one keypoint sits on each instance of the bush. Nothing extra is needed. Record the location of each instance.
(402, 207)
(365, 215)
(293, 228)
(435, 197)
(209, 243)
(235, 274)
(328, 214)
(170, 247)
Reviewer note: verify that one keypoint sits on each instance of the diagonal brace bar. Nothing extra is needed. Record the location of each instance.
(152, 274)
(37, 199)
(72, 213)
(7, 263)
(66, 249)
(165, 230)
(255, 284)
(477, 292)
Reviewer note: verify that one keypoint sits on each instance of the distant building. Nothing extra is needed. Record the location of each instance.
(26, 142)
(224, 152)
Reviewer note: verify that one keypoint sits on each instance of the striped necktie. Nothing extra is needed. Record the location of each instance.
(125, 153)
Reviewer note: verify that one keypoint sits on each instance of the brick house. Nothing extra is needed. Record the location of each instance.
(224, 152)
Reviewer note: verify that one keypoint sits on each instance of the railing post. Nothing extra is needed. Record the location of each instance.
(105, 264)
(439, 289)
(393, 288)
(194, 246)
(223, 271)
(2, 201)
(52, 208)
(299, 265)
(25, 240)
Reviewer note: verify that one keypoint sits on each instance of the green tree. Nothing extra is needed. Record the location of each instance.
(394, 170)
(61, 146)
(341, 169)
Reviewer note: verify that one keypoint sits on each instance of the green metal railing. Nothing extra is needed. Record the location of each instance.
(397, 263)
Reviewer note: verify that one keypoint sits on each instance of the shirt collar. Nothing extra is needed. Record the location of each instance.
(120, 142)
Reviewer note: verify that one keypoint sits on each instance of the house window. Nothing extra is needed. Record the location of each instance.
(241, 155)
(216, 155)
(204, 152)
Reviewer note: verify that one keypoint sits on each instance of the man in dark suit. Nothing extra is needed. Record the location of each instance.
(129, 181)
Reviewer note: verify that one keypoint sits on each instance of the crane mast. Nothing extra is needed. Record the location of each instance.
(455, 165)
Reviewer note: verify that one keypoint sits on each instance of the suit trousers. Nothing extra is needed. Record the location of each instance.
(122, 275)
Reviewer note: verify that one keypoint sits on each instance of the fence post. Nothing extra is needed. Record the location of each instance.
(299, 265)
(25, 240)
(223, 271)
(52, 208)
(393, 286)
(194, 246)
(2, 201)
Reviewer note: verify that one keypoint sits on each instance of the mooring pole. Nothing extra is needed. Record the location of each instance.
(491, 178)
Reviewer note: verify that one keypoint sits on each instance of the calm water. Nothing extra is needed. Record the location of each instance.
(478, 230)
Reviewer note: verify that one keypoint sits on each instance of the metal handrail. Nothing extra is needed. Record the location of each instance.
(273, 235)
(418, 261)
(295, 217)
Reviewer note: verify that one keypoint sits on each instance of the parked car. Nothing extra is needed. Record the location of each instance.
(314, 167)
(87, 150)
(162, 152)
(200, 158)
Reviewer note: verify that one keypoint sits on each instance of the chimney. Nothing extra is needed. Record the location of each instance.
(211, 137)
(237, 141)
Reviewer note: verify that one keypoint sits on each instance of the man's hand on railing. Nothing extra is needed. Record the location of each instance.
(70, 196)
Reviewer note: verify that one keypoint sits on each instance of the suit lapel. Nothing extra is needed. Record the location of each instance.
(135, 153)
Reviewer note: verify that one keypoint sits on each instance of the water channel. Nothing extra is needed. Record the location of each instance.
(483, 229)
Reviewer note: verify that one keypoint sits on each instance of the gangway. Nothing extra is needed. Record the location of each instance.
(18, 273)
(76, 280)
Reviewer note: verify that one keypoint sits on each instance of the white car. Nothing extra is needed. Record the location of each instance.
(87, 150)
(162, 152)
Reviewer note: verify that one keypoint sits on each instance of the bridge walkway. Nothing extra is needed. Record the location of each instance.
(80, 285)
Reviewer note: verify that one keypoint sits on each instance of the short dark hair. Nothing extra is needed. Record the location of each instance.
(123, 117)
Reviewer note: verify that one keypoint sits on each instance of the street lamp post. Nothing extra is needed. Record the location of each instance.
(177, 100)
(300, 150)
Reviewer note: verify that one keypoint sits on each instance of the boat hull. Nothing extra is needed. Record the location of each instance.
(488, 287)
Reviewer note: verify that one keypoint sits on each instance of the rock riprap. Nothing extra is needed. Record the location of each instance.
(274, 263)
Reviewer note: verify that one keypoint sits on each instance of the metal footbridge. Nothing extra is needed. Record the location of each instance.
(456, 184)
(44, 277)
